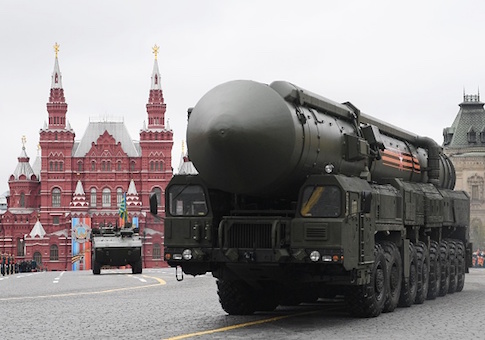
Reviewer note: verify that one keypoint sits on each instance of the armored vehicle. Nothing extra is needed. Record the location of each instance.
(298, 197)
(113, 246)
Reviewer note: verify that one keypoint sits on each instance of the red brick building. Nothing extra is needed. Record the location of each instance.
(85, 180)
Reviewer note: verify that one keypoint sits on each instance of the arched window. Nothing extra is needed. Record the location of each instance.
(20, 247)
(106, 198)
(56, 197)
(93, 197)
(79, 166)
(61, 166)
(119, 196)
(22, 200)
(158, 192)
(51, 166)
(119, 166)
(157, 253)
(132, 166)
(54, 253)
(37, 257)
(93, 165)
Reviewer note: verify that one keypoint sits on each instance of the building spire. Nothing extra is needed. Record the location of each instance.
(155, 49)
(57, 107)
(156, 106)
(56, 74)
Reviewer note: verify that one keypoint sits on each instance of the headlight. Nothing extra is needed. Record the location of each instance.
(314, 256)
(187, 254)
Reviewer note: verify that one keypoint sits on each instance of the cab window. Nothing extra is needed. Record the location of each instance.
(187, 200)
(321, 201)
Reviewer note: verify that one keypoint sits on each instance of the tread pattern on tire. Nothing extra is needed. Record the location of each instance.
(236, 297)
(423, 272)
(409, 285)
(453, 260)
(362, 300)
(434, 270)
(460, 251)
(445, 268)
(394, 274)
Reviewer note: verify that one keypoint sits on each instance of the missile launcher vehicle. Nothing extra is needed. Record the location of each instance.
(298, 197)
(114, 247)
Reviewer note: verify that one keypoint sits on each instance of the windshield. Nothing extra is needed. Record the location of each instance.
(187, 200)
(321, 201)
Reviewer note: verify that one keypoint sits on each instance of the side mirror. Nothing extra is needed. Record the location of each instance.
(153, 204)
(366, 202)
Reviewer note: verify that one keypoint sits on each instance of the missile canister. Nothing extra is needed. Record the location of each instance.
(250, 138)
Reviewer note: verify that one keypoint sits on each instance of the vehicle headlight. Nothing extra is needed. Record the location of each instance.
(187, 254)
(314, 256)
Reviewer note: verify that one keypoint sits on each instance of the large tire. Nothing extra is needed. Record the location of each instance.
(96, 268)
(434, 270)
(410, 285)
(453, 266)
(445, 268)
(460, 253)
(236, 297)
(137, 267)
(423, 272)
(368, 300)
(394, 273)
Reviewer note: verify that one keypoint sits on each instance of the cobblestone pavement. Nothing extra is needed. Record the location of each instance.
(119, 305)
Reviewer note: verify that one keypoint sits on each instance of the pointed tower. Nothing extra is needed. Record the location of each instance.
(57, 106)
(156, 141)
(156, 107)
(56, 142)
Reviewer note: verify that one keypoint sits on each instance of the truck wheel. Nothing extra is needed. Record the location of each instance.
(453, 266)
(236, 297)
(394, 272)
(410, 285)
(368, 300)
(137, 267)
(460, 254)
(423, 272)
(445, 268)
(96, 268)
(434, 270)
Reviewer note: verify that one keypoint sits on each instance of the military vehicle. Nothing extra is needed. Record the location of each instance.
(114, 247)
(298, 197)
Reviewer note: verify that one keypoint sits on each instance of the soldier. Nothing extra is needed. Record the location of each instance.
(7, 262)
(2, 263)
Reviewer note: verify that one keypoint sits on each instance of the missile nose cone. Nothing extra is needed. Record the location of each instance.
(241, 137)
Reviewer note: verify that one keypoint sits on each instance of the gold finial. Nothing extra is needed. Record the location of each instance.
(155, 51)
(56, 48)
(24, 140)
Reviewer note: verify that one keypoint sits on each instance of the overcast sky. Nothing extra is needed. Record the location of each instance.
(404, 62)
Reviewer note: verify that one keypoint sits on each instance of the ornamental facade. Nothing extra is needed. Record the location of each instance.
(82, 182)
(464, 143)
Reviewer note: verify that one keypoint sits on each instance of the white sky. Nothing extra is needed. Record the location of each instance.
(403, 62)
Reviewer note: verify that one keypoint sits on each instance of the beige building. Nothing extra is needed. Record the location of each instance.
(464, 143)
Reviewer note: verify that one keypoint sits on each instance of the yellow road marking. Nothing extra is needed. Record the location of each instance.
(160, 282)
(241, 325)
